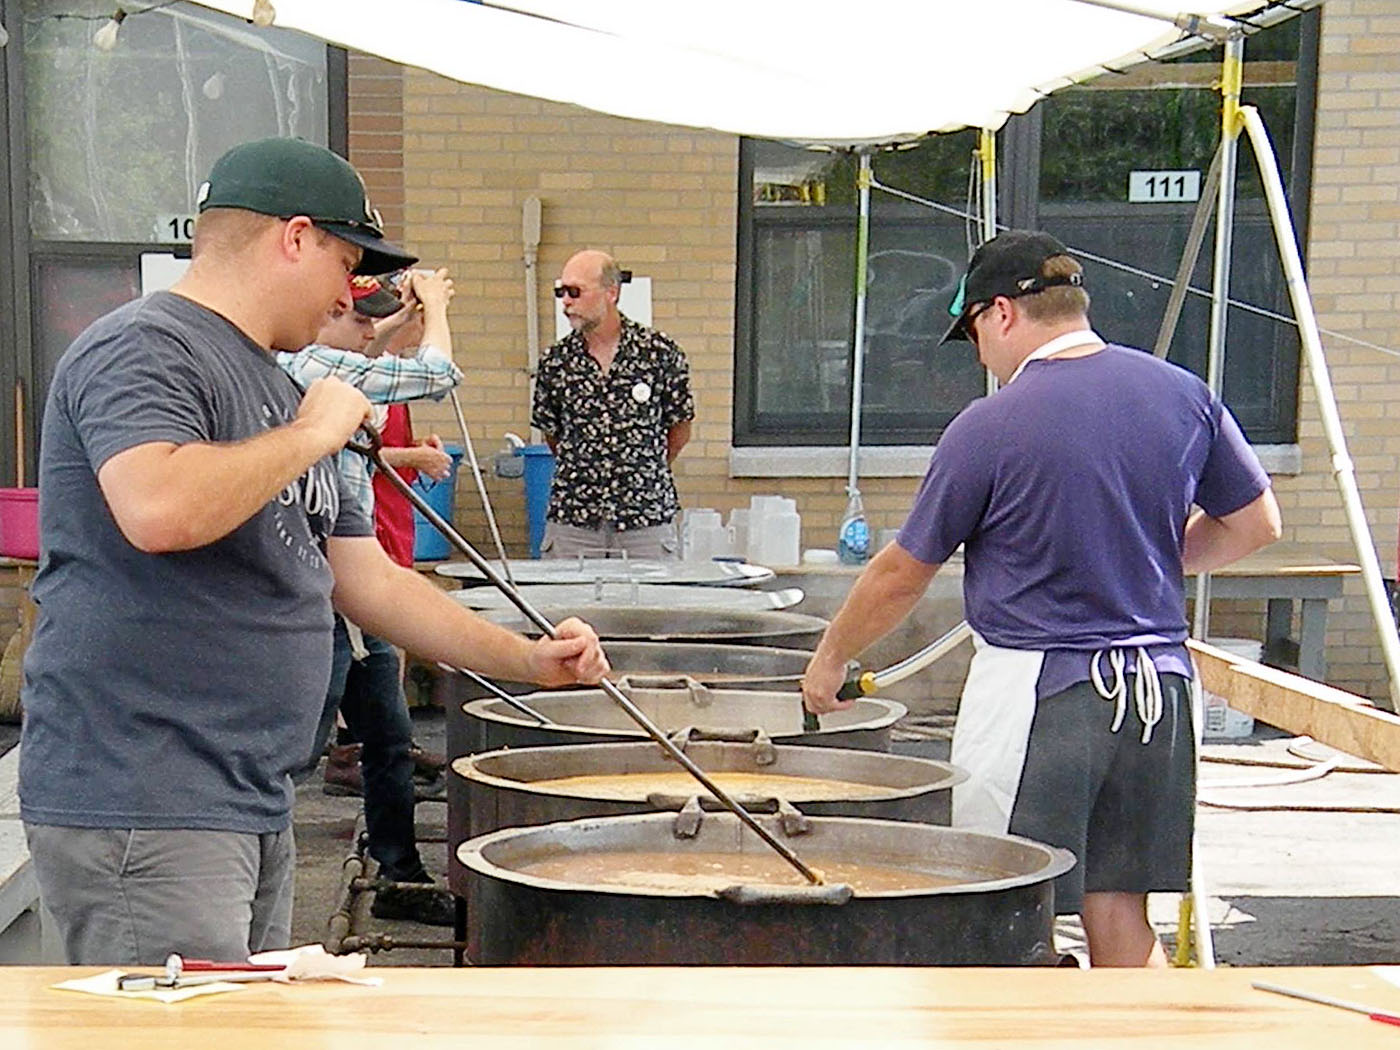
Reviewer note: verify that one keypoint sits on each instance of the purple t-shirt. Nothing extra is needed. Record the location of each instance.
(1069, 489)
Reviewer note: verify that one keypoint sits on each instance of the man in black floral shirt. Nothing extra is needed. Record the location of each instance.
(613, 400)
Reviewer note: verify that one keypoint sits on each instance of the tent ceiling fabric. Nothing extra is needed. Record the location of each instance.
(834, 73)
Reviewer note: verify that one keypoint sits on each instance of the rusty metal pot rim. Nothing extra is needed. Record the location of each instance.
(471, 854)
(469, 767)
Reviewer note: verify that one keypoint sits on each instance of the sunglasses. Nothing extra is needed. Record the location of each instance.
(573, 291)
(972, 316)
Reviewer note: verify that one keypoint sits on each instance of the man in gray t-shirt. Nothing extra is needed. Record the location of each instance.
(195, 536)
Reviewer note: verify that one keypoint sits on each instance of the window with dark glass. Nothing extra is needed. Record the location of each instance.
(1065, 167)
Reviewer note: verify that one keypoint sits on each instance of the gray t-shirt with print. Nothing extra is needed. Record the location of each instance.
(173, 690)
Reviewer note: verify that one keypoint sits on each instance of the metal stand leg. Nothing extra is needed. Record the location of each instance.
(1312, 639)
(459, 930)
(1278, 630)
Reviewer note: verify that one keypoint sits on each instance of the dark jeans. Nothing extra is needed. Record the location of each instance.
(369, 694)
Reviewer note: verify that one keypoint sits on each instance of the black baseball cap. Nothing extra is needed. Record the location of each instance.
(1008, 265)
(287, 177)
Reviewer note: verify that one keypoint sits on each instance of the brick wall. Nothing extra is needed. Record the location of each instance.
(664, 201)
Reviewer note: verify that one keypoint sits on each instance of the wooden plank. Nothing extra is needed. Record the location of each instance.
(1345, 721)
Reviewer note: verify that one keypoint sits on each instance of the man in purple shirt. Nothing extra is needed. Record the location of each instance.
(1081, 492)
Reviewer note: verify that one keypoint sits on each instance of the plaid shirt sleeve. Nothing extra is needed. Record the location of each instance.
(385, 380)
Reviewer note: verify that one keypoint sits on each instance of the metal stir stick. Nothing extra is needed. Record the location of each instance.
(372, 451)
(481, 486)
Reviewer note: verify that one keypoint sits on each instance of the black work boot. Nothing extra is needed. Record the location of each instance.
(426, 904)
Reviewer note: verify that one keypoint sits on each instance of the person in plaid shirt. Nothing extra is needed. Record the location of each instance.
(366, 683)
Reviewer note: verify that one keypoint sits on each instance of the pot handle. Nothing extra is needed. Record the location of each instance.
(763, 751)
(699, 691)
(828, 893)
(692, 809)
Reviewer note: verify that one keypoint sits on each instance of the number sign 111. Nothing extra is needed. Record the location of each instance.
(1157, 187)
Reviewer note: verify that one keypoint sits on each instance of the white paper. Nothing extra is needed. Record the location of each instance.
(106, 984)
(159, 271)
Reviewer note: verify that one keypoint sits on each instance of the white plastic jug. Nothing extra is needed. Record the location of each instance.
(710, 541)
(776, 537)
(739, 519)
(704, 535)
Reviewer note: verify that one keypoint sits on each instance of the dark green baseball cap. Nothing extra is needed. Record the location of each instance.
(287, 177)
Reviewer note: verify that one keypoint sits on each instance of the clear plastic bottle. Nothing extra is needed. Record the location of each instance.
(853, 539)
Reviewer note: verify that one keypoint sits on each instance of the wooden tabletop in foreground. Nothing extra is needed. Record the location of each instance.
(662, 1008)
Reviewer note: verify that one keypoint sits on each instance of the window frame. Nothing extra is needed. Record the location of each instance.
(1019, 206)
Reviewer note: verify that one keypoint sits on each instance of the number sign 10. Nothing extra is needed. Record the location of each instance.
(174, 229)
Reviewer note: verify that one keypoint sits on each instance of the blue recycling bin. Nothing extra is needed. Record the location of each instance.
(539, 478)
(428, 543)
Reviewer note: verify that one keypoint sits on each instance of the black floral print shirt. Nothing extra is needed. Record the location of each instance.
(610, 430)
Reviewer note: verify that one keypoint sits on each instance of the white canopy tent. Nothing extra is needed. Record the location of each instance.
(827, 72)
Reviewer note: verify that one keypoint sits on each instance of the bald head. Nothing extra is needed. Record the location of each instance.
(599, 281)
(598, 267)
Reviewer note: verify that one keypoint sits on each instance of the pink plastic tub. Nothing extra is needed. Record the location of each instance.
(19, 523)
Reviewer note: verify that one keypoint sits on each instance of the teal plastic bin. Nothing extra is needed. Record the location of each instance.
(539, 479)
(428, 543)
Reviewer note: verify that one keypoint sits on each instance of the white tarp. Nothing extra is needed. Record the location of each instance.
(822, 71)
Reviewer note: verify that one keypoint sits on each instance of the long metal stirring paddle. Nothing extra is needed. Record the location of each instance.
(496, 691)
(372, 451)
(481, 485)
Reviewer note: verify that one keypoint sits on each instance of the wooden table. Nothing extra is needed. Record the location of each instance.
(1281, 574)
(669, 1008)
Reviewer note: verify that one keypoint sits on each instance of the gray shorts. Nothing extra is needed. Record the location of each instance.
(1126, 809)
(658, 542)
(131, 897)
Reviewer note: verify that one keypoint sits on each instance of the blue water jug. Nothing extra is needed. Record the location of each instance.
(428, 543)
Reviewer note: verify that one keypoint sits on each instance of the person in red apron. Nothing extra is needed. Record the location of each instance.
(393, 514)
(1081, 492)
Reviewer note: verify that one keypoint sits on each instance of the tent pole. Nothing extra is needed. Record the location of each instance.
(1197, 25)
(1231, 82)
(987, 153)
(1343, 470)
(1189, 255)
(863, 175)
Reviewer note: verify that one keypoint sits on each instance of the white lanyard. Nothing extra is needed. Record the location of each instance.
(1080, 337)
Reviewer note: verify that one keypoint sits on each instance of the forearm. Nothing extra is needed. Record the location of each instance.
(436, 331)
(181, 497)
(400, 458)
(676, 439)
(882, 597)
(399, 604)
(1212, 543)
